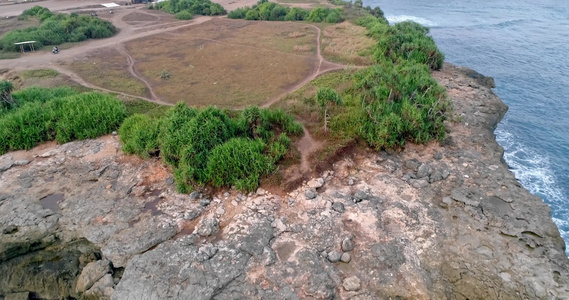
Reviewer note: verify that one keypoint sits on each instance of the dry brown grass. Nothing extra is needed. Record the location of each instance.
(347, 43)
(228, 63)
(108, 68)
(10, 24)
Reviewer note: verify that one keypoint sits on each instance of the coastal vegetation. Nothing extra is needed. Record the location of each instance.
(186, 9)
(56, 29)
(212, 146)
(62, 114)
(270, 11)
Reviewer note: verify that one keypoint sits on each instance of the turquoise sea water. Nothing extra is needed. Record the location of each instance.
(524, 45)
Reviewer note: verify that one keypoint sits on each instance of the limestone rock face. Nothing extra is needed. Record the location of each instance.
(437, 221)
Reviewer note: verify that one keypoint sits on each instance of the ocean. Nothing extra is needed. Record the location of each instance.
(524, 45)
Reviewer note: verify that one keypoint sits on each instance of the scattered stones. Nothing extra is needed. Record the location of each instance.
(208, 226)
(114, 133)
(234, 203)
(261, 192)
(359, 196)
(220, 211)
(310, 194)
(412, 164)
(316, 183)
(92, 273)
(6, 162)
(352, 283)
(334, 256)
(418, 183)
(226, 195)
(169, 180)
(346, 257)
(10, 229)
(347, 245)
(438, 156)
(102, 289)
(195, 195)
(21, 162)
(351, 182)
(338, 206)
(205, 202)
(424, 171)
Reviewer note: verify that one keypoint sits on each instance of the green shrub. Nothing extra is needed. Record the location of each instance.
(139, 135)
(270, 11)
(26, 127)
(87, 115)
(40, 94)
(173, 132)
(56, 29)
(184, 15)
(185, 8)
(6, 99)
(400, 103)
(239, 162)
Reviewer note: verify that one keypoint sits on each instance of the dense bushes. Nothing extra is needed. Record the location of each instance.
(270, 11)
(403, 41)
(77, 116)
(207, 146)
(185, 9)
(56, 29)
(400, 103)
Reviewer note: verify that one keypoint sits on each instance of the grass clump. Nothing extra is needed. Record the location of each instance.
(212, 146)
(36, 94)
(270, 11)
(40, 73)
(403, 41)
(56, 29)
(76, 116)
(139, 135)
(185, 9)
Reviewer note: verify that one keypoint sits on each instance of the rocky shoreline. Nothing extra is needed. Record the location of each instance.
(437, 221)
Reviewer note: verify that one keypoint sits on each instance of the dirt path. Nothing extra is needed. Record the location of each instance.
(322, 66)
(120, 47)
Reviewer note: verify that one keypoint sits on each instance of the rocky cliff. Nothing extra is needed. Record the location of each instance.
(437, 221)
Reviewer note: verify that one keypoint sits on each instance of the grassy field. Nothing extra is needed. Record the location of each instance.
(229, 63)
(108, 69)
(346, 43)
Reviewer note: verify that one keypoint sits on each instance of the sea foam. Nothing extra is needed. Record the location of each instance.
(403, 18)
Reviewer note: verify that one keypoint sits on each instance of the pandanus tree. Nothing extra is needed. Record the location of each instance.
(325, 97)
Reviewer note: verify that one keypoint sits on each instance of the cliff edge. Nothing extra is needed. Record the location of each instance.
(439, 221)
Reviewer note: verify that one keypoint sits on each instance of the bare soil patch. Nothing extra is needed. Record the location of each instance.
(229, 63)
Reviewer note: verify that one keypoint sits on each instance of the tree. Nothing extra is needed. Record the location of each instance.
(358, 4)
(324, 97)
(6, 100)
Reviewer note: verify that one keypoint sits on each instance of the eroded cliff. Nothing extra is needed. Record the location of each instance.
(437, 221)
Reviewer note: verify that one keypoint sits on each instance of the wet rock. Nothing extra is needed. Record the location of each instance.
(351, 283)
(334, 256)
(91, 274)
(316, 183)
(346, 257)
(310, 194)
(347, 245)
(338, 206)
(208, 226)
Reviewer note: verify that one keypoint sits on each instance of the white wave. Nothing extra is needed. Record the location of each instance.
(531, 168)
(403, 18)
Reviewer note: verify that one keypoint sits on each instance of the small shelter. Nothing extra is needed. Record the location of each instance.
(22, 44)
